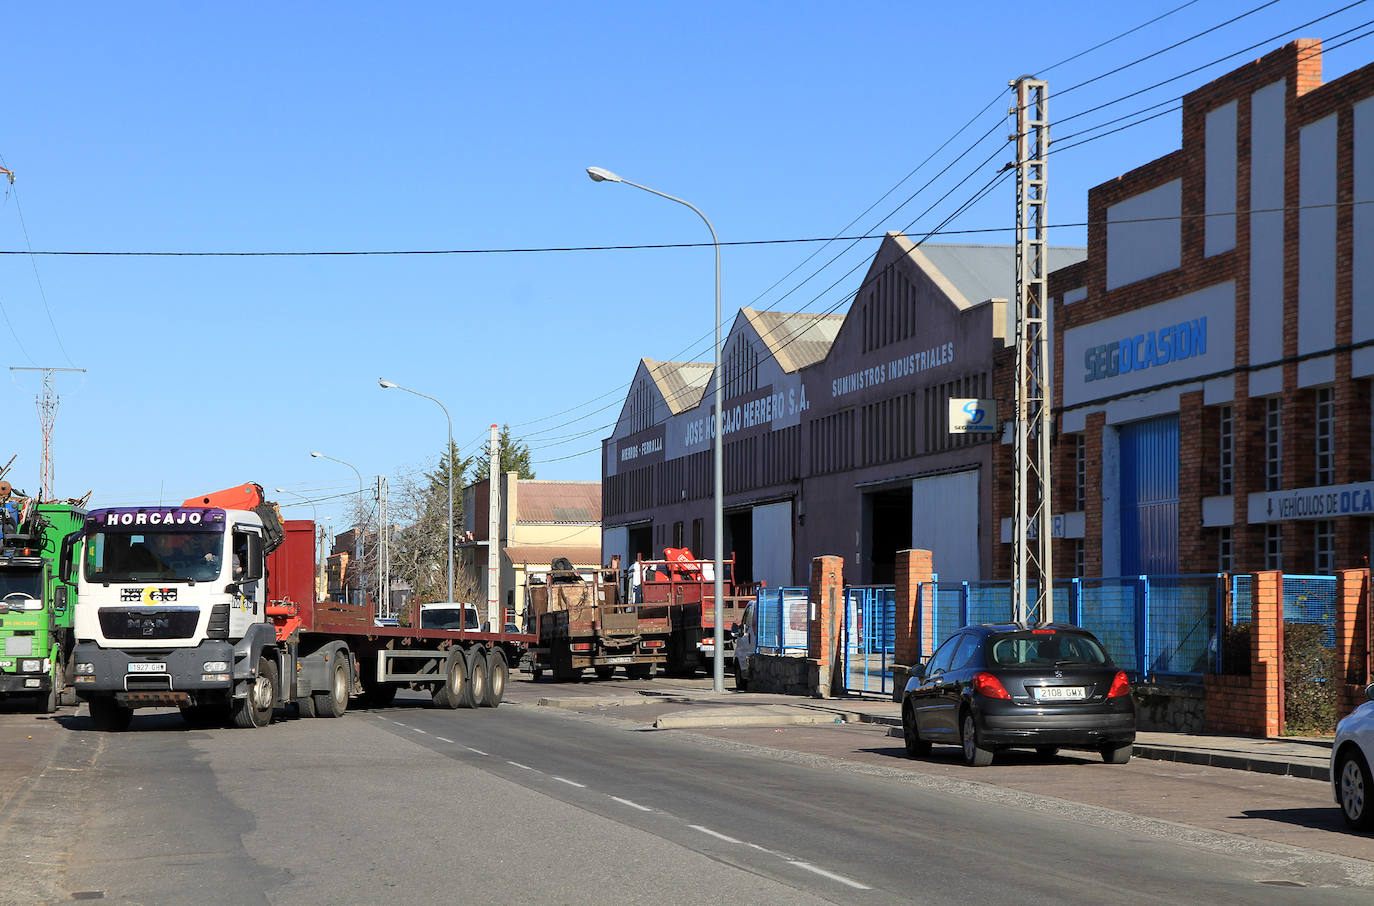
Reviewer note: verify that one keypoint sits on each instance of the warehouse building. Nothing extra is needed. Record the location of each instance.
(1216, 347)
(836, 428)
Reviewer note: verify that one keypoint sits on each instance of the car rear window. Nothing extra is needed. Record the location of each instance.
(1039, 649)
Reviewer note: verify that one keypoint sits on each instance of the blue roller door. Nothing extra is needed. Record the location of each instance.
(1149, 497)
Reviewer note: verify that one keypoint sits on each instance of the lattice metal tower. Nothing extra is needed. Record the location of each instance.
(47, 401)
(1032, 569)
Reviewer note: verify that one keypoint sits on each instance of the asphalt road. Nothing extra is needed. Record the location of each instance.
(531, 804)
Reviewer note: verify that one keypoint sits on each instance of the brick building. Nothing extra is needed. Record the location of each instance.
(1215, 350)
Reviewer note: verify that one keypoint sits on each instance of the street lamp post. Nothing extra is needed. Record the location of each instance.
(386, 385)
(599, 175)
(318, 455)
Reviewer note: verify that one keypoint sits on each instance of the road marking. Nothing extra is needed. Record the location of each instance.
(716, 834)
(523, 767)
(442, 739)
(418, 730)
(471, 749)
(829, 874)
(580, 786)
(642, 808)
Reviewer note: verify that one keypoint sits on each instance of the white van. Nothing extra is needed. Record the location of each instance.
(450, 615)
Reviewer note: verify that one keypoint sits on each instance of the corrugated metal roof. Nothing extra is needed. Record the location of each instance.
(796, 339)
(546, 502)
(541, 556)
(977, 273)
(681, 383)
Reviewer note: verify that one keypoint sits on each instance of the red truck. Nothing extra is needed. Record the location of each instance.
(210, 607)
(687, 586)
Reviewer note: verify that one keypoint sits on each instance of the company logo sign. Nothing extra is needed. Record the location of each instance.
(967, 416)
(1171, 343)
(1312, 503)
(148, 595)
(122, 519)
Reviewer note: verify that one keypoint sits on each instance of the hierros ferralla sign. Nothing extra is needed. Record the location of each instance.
(1328, 502)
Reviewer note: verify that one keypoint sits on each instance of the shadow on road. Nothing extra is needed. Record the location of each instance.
(1327, 819)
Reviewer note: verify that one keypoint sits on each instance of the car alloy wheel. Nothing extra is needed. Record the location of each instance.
(1354, 786)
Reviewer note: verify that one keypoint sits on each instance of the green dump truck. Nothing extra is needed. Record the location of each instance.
(36, 606)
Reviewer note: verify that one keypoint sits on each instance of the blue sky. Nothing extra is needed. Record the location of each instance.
(300, 127)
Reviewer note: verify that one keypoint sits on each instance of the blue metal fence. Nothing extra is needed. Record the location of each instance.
(780, 619)
(1311, 599)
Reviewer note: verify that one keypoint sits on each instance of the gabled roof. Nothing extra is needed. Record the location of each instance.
(973, 274)
(558, 502)
(795, 339)
(682, 384)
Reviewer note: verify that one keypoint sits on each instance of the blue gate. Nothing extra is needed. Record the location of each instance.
(1149, 497)
(870, 621)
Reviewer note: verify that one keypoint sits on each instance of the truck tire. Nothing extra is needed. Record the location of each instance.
(255, 709)
(476, 688)
(334, 701)
(640, 671)
(109, 716)
(498, 671)
(449, 694)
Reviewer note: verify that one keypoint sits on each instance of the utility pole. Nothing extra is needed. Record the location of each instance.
(47, 400)
(383, 550)
(494, 530)
(1032, 526)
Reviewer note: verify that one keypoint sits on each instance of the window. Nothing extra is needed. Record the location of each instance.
(1326, 417)
(1079, 559)
(1225, 551)
(698, 536)
(940, 660)
(1273, 546)
(1080, 473)
(1325, 547)
(966, 655)
(1273, 444)
(1226, 458)
(678, 535)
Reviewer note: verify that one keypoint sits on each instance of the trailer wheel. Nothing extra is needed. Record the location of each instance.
(334, 702)
(46, 702)
(497, 672)
(476, 689)
(109, 716)
(255, 709)
(450, 693)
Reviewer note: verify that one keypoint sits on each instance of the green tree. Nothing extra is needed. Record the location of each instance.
(515, 457)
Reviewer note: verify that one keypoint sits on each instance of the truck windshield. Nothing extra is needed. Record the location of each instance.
(153, 556)
(448, 618)
(25, 582)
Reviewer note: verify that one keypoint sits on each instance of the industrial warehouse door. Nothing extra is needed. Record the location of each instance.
(1149, 497)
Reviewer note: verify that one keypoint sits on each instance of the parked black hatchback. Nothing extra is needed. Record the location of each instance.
(1002, 686)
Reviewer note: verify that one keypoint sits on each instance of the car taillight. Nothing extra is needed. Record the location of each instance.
(989, 685)
(1120, 685)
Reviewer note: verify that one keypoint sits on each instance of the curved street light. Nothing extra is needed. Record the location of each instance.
(388, 385)
(599, 174)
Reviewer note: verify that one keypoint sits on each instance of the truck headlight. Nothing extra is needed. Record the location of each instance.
(31, 665)
(215, 666)
(85, 669)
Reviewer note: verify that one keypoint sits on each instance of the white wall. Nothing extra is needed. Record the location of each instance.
(1220, 189)
(1317, 250)
(944, 521)
(1139, 250)
(616, 542)
(773, 544)
(1266, 235)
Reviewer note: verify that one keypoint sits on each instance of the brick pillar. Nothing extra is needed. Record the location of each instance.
(1092, 499)
(1352, 638)
(823, 625)
(1299, 471)
(1266, 653)
(1195, 455)
(914, 567)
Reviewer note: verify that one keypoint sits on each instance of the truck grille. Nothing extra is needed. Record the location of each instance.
(146, 623)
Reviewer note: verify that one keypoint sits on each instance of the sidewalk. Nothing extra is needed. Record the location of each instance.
(1294, 756)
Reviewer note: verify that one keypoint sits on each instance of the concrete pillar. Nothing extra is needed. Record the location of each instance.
(823, 623)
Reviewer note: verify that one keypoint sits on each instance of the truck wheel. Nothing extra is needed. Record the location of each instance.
(604, 672)
(109, 716)
(334, 701)
(741, 680)
(640, 671)
(255, 709)
(48, 703)
(450, 693)
(497, 672)
(476, 689)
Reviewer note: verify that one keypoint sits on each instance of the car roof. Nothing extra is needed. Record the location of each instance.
(995, 628)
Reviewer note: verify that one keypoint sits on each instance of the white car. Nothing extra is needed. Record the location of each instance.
(745, 645)
(1351, 781)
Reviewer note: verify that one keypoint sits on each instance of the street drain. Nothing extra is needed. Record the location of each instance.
(1284, 883)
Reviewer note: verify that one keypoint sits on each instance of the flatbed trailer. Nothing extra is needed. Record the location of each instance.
(687, 586)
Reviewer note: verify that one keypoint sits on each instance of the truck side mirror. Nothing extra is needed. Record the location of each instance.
(253, 569)
(64, 568)
(59, 602)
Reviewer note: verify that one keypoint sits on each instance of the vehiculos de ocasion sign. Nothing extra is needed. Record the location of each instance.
(1327, 502)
